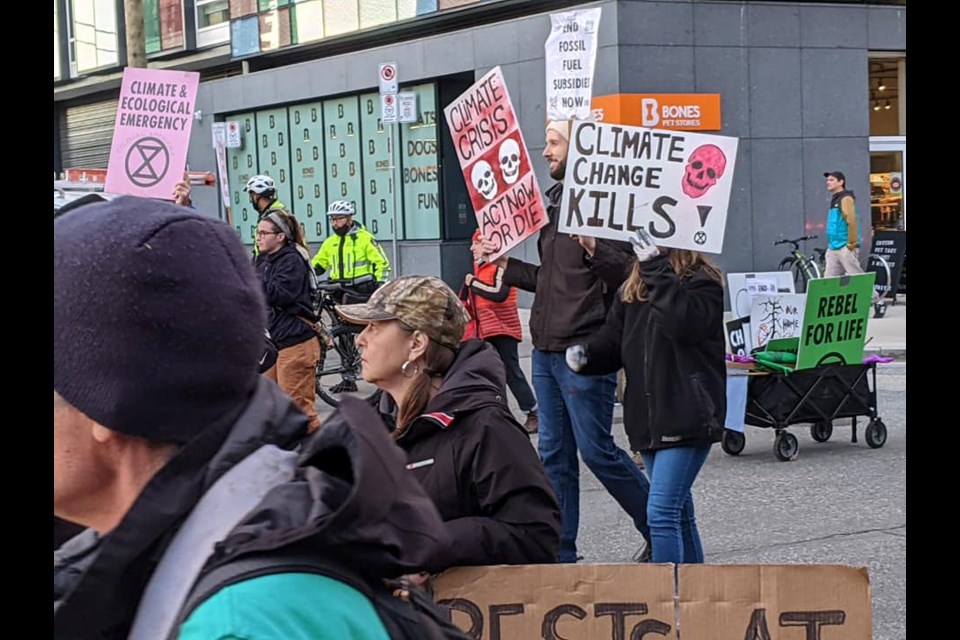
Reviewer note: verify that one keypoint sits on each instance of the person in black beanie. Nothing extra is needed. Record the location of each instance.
(172, 450)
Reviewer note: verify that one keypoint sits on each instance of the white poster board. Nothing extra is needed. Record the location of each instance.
(571, 55)
(776, 316)
(743, 287)
(675, 184)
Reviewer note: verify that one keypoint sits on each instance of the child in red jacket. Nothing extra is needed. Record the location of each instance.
(496, 320)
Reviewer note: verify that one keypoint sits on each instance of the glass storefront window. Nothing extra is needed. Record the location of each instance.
(887, 80)
(163, 25)
(306, 21)
(887, 211)
(420, 168)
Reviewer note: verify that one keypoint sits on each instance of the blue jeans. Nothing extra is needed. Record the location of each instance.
(673, 525)
(576, 413)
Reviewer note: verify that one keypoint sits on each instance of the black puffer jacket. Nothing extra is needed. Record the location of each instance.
(352, 498)
(285, 276)
(477, 463)
(672, 349)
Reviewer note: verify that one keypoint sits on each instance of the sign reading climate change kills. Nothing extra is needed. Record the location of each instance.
(152, 132)
(571, 54)
(675, 184)
(495, 162)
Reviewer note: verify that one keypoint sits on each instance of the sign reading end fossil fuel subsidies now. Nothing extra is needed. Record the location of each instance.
(571, 54)
(152, 132)
(675, 184)
(495, 163)
(835, 320)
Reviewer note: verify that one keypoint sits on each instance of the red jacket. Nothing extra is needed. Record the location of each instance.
(494, 305)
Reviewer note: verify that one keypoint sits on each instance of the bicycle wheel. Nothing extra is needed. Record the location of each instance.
(338, 371)
(799, 276)
(879, 265)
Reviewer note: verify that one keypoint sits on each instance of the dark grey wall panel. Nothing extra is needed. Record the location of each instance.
(835, 97)
(723, 25)
(777, 190)
(725, 70)
(447, 53)
(887, 29)
(774, 26)
(655, 23)
(738, 250)
(775, 107)
(849, 155)
(831, 26)
(496, 44)
(656, 69)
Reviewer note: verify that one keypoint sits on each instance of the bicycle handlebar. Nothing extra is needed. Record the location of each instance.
(344, 285)
(795, 243)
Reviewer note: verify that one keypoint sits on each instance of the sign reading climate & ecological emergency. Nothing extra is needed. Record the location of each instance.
(495, 163)
(571, 55)
(152, 132)
(835, 320)
(675, 184)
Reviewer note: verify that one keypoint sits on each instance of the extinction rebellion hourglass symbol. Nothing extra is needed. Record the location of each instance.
(147, 162)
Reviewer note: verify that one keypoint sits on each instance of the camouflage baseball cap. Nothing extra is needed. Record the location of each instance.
(423, 303)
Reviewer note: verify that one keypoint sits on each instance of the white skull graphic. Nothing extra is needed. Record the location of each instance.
(483, 179)
(509, 160)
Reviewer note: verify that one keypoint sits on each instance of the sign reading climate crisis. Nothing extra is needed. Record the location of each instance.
(495, 163)
(676, 185)
(151, 132)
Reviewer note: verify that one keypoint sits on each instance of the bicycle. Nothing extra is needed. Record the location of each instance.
(803, 267)
(339, 368)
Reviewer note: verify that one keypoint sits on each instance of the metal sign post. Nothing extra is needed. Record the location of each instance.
(388, 116)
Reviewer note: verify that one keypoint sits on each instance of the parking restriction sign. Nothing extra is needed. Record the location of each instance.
(388, 77)
(388, 108)
(407, 103)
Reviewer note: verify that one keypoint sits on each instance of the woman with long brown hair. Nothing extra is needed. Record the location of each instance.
(665, 329)
(462, 442)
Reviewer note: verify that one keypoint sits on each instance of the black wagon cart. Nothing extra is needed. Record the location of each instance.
(818, 397)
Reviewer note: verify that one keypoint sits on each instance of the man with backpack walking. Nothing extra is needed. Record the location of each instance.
(180, 485)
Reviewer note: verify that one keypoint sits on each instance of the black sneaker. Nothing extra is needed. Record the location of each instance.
(879, 309)
(643, 554)
(345, 386)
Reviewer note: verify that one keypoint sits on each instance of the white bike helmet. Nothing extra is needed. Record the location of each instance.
(340, 208)
(260, 185)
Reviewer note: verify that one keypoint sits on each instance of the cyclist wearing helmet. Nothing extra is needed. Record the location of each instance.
(351, 253)
(263, 198)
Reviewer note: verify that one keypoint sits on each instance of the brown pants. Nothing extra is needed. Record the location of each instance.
(296, 373)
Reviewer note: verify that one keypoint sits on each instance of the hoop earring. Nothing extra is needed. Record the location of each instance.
(403, 369)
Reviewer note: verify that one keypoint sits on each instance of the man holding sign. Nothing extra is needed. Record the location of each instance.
(575, 284)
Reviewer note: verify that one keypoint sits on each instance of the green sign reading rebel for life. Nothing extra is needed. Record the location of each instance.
(835, 321)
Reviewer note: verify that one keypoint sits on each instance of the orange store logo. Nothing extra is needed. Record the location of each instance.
(678, 111)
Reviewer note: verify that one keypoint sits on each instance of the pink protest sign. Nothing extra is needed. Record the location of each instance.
(503, 188)
(152, 132)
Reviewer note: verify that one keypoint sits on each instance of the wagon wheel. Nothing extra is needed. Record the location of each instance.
(786, 447)
(733, 442)
(821, 431)
(876, 433)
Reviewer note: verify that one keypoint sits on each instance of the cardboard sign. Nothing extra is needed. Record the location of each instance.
(733, 602)
(743, 287)
(560, 601)
(152, 132)
(835, 320)
(775, 316)
(676, 185)
(635, 601)
(676, 111)
(495, 163)
(571, 54)
(892, 245)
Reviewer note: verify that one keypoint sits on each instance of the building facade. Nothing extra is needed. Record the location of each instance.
(806, 87)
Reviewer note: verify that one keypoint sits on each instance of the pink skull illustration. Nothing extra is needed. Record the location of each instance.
(704, 168)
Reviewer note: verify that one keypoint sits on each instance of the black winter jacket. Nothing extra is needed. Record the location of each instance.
(573, 291)
(477, 463)
(351, 499)
(672, 350)
(285, 276)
